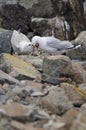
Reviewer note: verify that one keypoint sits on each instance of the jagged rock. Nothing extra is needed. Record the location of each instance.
(5, 41)
(15, 16)
(17, 67)
(79, 53)
(56, 101)
(55, 67)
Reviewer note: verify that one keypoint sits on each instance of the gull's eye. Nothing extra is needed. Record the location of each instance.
(29, 44)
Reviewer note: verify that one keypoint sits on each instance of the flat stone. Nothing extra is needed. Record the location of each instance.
(17, 67)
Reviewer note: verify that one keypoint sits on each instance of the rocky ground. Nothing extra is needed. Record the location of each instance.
(43, 91)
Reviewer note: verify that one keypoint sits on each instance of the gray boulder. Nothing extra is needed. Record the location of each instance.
(55, 67)
(5, 41)
(79, 53)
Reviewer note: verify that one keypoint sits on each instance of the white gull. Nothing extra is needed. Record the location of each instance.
(51, 44)
(20, 43)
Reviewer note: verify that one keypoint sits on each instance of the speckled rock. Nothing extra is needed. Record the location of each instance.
(55, 67)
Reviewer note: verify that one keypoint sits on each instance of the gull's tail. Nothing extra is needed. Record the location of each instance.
(74, 47)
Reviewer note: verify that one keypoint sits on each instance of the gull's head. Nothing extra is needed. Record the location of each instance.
(35, 41)
(26, 47)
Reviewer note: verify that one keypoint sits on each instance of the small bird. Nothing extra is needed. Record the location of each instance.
(20, 43)
(51, 44)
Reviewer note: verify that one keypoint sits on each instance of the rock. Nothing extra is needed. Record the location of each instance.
(18, 68)
(69, 116)
(55, 67)
(39, 8)
(43, 26)
(83, 107)
(22, 112)
(27, 88)
(15, 16)
(68, 9)
(5, 41)
(56, 125)
(78, 72)
(8, 2)
(82, 87)
(3, 99)
(81, 37)
(84, 65)
(62, 29)
(18, 125)
(84, 4)
(73, 95)
(5, 78)
(34, 7)
(34, 60)
(56, 101)
(79, 53)
(80, 121)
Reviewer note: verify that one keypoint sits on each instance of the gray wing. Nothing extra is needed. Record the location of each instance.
(54, 43)
(58, 44)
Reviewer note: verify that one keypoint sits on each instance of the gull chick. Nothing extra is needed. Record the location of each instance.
(20, 43)
(51, 44)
